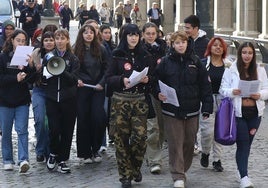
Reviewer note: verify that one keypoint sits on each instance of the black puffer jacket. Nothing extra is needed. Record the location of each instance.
(63, 86)
(189, 78)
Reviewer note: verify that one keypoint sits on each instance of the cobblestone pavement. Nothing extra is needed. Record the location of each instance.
(105, 175)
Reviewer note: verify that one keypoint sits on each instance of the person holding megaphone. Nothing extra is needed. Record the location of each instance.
(61, 89)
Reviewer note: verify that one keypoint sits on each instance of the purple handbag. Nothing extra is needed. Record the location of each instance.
(225, 123)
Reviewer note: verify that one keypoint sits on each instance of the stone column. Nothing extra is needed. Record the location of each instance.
(223, 16)
(246, 16)
(203, 11)
(143, 10)
(167, 7)
(183, 9)
(264, 20)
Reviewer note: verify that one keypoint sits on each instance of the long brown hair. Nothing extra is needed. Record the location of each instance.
(8, 46)
(252, 69)
(80, 47)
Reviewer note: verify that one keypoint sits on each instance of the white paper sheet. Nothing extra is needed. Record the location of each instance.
(249, 87)
(89, 85)
(135, 77)
(170, 93)
(21, 55)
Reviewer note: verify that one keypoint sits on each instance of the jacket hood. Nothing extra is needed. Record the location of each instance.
(201, 33)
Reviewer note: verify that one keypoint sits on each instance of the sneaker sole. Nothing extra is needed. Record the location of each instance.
(50, 168)
(156, 170)
(64, 172)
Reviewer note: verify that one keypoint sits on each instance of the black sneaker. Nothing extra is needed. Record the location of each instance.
(126, 183)
(204, 160)
(51, 162)
(111, 141)
(217, 166)
(40, 158)
(138, 177)
(63, 168)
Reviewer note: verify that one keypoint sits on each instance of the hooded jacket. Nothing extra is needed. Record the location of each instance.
(200, 44)
(3, 37)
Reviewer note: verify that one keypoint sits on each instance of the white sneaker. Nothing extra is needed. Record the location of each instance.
(179, 184)
(197, 150)
(246, 183)
(97, 158)
(24, 167)
(87, 161)
(102, 149)
(8, 167)
(156, 169)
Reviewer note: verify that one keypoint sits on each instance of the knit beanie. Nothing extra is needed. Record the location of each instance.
(7, 23)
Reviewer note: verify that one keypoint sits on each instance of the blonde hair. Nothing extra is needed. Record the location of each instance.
(179, 35)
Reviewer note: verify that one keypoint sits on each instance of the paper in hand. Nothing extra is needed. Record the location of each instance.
(170, 93)
(249, 87)
(135, 77)
(21, 55)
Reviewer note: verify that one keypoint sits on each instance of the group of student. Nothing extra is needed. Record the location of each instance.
(138, 115)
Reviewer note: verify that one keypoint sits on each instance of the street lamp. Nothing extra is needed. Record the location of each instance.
(48, 9)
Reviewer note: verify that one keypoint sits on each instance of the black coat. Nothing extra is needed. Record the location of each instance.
(30, 27)
(187, 75)
(122, 66)
(63, 86)
(12, 92)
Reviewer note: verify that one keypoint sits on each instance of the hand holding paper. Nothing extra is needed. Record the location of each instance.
(170, 93)
(136, 77)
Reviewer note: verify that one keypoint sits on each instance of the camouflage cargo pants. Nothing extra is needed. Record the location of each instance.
(128, 116)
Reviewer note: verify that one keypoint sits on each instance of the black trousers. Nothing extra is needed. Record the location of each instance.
(156, 21)
(61, 121)
(91, 121)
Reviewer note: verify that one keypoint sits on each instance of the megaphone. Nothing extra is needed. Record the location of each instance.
(55, 65)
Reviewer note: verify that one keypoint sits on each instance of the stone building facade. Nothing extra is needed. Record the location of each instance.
(233, 17)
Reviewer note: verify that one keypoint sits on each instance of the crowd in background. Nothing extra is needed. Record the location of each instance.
(90, 83)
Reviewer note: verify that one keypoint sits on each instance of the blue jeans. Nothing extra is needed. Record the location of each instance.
(20, 117)
(41, 127)
(244, 141)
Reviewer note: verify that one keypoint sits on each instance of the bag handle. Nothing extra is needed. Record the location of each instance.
(232, 116)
